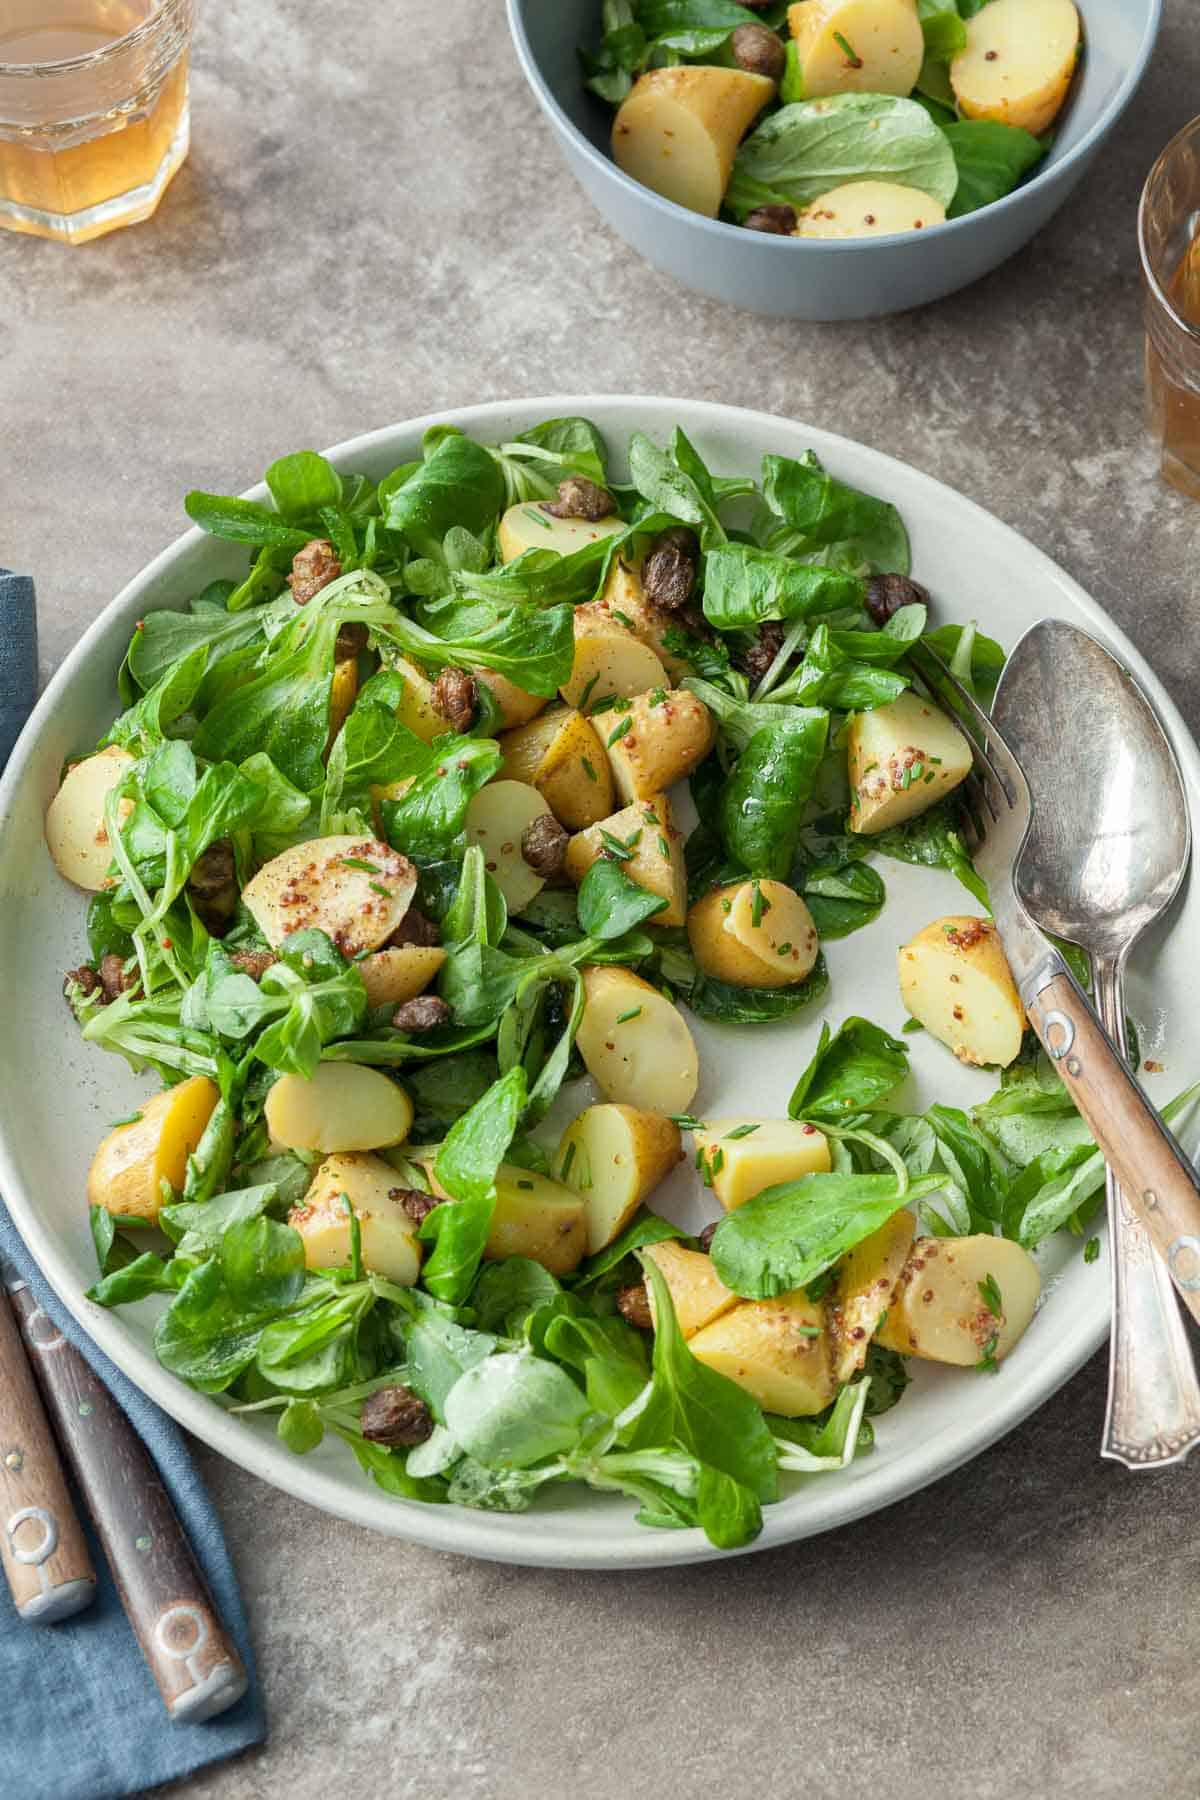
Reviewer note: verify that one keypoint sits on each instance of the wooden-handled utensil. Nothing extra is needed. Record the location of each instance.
(191, 1656)
(42, 1546)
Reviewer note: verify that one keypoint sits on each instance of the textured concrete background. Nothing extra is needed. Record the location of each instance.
(374, 224)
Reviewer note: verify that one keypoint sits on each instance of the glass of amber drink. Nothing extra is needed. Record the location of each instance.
(93, 112)
(1169, 242)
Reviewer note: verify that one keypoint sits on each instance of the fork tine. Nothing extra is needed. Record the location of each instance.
(975, 808)
(990, 752)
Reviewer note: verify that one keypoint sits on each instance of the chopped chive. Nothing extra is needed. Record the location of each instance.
(602, 704)
(740, 1131)
(658, 696)
(758, 906)
(537, 518)
(623, 619)
(621, 703)
(989, 1293)
(663, 846)
(807, 1330)
(133, 1118)
(356, 1261)
(911, 1025)
(356, 862)
(716, 1161)
(635, 1012)
(618, 731)
(727, 906)
(567, 1160)
(783, 950)
(916, 771)
(930, 776)
(614, 846)
(583, 698)
(870, 768)
(651, 817)
(987, 1364)
(936, 761)
(686, 1121)
(852, 57)
(1091, 1250)
(377, 887)
(527, 1185)
(588, 770)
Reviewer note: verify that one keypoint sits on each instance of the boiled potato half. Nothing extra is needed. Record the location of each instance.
(401, 973)
(526, 527)
(387, 1236)
(902, 759)
(868, 209)
(356, 890)
(537, 1218)
(741, 1157)
(697, 1292)
(343, 1106)
(1018, 62)
(655, 739)
(955, 978)
(635, 1044)
(614, 1156)
(76, 834)
(679, 129)
(624, 604)
(609, 664)
(497, 819)
(867, 1280)
(857, 46)
(777, 951)
(655, 859)
(778, 1350)
(133, 1161)
(560, 755)
(941, 1309)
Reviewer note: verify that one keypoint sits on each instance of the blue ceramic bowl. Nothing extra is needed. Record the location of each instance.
(797, 279)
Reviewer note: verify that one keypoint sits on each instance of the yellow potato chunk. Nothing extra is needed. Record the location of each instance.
(537, 1218)
(857, 46)
(868, 209)
(697, 1292)
(655, 859)
(133, 1161)
(345, 1106)
(497, 819)
(738, 1167)
(526, 527)
(1018, 63)
(679, 129)
(342, 696)
(416, 708)
(76, 834)
(388, 1237)
(867, 1281)
(940, 1311)
(624, 604)
(778, 1350)
(401, 973)
(609, 664)
(614, 1156)
(560, 755)
(634, 1043)
(356, 890)
(656, 740)
(902, 758)
(516, 707)
(955, 978)
(778, 951)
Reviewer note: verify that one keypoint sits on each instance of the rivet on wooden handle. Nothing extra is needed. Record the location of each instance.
(191, 1656)
(42, 1546)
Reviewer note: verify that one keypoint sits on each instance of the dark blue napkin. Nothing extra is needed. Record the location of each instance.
(81, 1717)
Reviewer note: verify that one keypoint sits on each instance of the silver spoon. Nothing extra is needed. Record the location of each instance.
(1105, 857)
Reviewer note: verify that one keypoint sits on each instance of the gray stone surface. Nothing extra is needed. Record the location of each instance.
(374, 224)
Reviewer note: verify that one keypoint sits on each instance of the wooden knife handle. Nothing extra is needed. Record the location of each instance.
(191, 1656)
(1156, 1178)
(42, 1546)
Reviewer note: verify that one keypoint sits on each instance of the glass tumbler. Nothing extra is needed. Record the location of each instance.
(1169, 243)
(93, 112)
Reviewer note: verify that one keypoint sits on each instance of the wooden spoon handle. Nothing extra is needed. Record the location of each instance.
(1156, 1179)
(42, 1546)
(191, 1656)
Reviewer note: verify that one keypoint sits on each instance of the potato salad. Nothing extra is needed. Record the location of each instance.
(833, 118)
(417, 848)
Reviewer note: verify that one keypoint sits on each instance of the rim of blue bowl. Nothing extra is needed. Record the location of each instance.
(1090, 140)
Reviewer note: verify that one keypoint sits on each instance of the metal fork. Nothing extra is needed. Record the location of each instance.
(1157, 1178)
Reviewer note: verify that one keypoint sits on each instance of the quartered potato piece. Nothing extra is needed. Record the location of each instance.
(777, 951)
(941, 1309)
(560, 755)
(526, 527)
(741, 1157)
(1018, 62)
(344, 1106)
(867, 1281)
(497, 819)
(356, 890)
(388, 1237)
(76, 834)
(609, 663)
(857, 46)
(778, 1350)
(868, 209)
(679, 129)
(902, 758)
(955, 978)
(655, 740)
(635, 1044)
(133, 1161)
(537, 1218)
(655, 859)
(624, 604)
(697, 1292)
(401, 973)
(614, 1156)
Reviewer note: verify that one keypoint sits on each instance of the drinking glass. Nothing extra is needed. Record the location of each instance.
(1169, 242)
(93, 112)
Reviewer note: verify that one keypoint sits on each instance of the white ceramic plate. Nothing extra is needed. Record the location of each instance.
(57, 1098)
